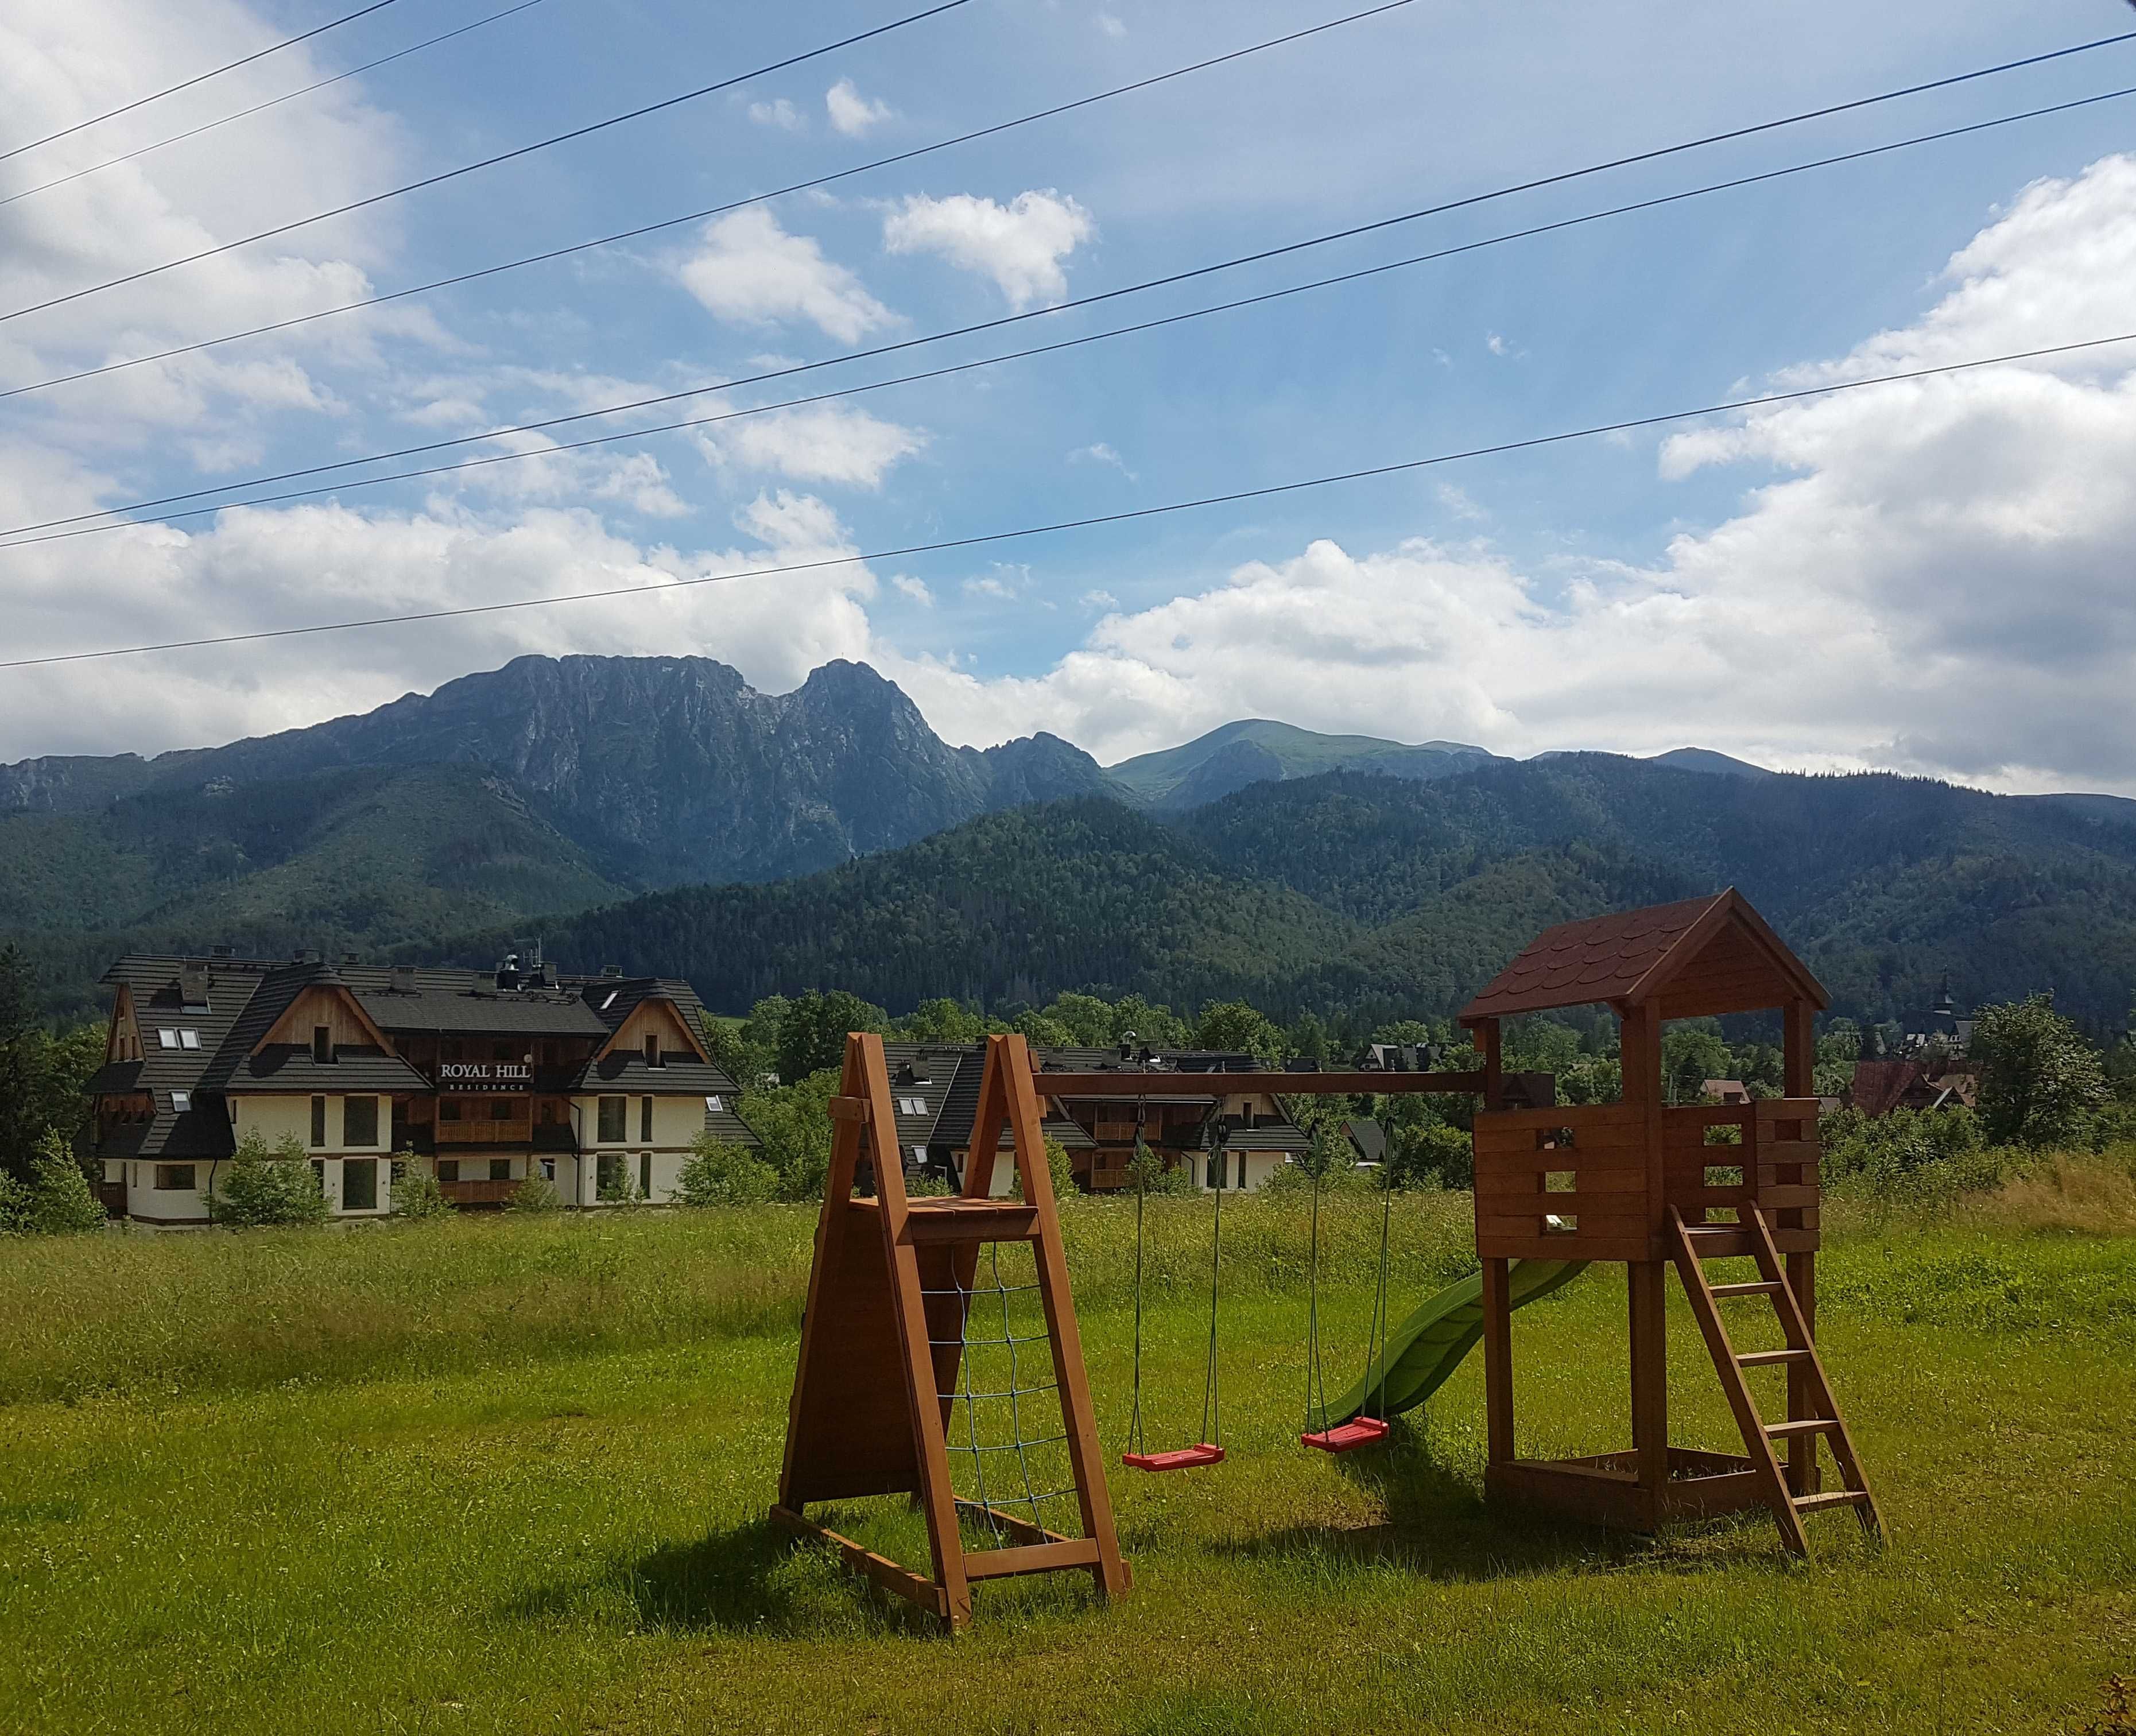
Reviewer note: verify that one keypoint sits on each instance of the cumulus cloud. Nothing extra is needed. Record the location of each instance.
(749, 269)
(778, 112)
(1932, 575)
(1021, 246)
(851, 113)
(822, 444)
(1100, 452)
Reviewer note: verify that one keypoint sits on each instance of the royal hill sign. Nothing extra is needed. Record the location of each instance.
(484, 1076)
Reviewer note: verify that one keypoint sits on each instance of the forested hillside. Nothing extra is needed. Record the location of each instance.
(1387, 896)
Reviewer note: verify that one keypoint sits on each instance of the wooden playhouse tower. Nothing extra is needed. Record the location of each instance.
(1647, 1183)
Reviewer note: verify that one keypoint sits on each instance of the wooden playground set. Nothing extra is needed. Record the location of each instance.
(898, 1308)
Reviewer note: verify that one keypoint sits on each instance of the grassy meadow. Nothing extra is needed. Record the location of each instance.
(510, 1475)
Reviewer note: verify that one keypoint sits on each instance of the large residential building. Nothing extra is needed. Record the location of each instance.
(599, 1085)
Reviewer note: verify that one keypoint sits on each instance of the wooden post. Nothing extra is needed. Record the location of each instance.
(1639, 1063)
(1498, 1361)
(1491, 1040)
(1798, 1076)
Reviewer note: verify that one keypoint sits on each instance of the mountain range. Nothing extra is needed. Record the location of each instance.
(658, 813)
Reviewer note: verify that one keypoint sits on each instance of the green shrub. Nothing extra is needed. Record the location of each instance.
(14, 1206)
(61, 1202)
(261, 1186)
(2040, 1082)
(536, 1193)
(721, 1174)
(417, 1192)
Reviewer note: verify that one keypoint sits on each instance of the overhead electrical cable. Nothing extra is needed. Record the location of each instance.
(398, 54)
(469, 168)
(199, 78)
(1659, 201)
(710, 211)
(1595, 430)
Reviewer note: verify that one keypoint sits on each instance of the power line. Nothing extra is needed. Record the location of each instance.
(24, 540)
(710, 210)
(804, 367)
(1533, 442)
(199, 78)
(272, 102)
(469, 168)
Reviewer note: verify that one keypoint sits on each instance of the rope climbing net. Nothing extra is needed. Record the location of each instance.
(1006, 1424)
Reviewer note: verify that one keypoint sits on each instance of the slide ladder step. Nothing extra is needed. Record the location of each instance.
(1832, 1498)
(1769, 1359)
(1762, 1287)
(1803, 1426)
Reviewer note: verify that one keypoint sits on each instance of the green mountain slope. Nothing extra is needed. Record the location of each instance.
(1081, 894)
(357, 859)
(1258, 749)
(1384, 896)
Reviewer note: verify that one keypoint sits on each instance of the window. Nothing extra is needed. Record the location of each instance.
(645, 1118)
(713, 1105)
(912, 1106)
(318, 1122)
(189, 1039)
(548, 1169)
(448, 1109)
(182, 1101)
(501, 1109)
(321, 1043)
(359, 1120)
(359, 1183)
(167, 1038)
(608, 1000)
(919, 1155)
(607, 1175)
(174, 1177)
(645, 1175)
(500, 1169)
(449, 1169)
(652, 1058)
(610, 1128)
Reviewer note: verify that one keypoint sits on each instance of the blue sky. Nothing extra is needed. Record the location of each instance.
(1932, 579)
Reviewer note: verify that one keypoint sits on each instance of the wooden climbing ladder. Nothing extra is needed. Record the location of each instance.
(889, 1323)
(1790, 1497)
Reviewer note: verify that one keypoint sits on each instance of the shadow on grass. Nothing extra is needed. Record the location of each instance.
(1438, 1526)
(750, 1580)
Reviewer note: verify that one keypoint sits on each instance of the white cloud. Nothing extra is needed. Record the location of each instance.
(1101, 454)
(905, 584)
(1111, 26)
(822, 443)
(749, 269)
(1099, 600)
(1021, 245)
(1937, 580)
(778, 112)
(851, 113)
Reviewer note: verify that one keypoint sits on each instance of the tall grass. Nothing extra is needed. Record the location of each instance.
(181, 1314)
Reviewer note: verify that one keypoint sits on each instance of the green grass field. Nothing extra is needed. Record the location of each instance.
(512, 1476)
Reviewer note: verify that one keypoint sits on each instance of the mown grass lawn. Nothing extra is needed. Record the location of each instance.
(512, 1476)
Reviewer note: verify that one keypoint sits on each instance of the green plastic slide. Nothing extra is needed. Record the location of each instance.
(1428, 1346)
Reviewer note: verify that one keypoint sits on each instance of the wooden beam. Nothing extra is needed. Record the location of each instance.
(880, 1569)
(1125, 1085)
(1035, 1557)
(1498, 1361)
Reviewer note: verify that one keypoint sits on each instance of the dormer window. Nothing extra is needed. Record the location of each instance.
(171, 1037)
(167, 1038)
(912, 1106)
(181, 1102)
(322, 1047)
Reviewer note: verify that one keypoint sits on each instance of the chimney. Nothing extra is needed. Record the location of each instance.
(507, 973)
(192, 984)
(611, 969)
(404, 978)
(349, 958)
(224, 952)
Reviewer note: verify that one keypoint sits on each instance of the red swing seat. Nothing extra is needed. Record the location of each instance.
(1348, 1437)
(1180, 1458)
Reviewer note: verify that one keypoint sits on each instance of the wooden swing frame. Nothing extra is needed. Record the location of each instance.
(880, 1354)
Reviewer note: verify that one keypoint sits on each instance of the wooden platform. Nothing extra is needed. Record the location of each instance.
(1605, 1488)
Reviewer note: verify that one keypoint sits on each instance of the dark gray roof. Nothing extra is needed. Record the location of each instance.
(152, 981)
(626, 1070)
(1265, 1135)
(725, 1123)
(516, 1012)
(1369, 1137)
(288, 1067)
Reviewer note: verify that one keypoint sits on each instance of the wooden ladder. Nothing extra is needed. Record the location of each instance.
(1693, 1245)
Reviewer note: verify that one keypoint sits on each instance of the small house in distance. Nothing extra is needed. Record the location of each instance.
(598, 1085)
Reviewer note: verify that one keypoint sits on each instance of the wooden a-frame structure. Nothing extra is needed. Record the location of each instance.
(883, 1337)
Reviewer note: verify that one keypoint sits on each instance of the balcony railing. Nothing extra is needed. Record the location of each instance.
(479, 1192)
